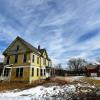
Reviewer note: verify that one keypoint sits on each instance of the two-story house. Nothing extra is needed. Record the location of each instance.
(24, 63)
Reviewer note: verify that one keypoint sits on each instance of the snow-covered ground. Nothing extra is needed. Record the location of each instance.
(65, 92)
(77, 78)
(38, 93)
(95, 78)
(73, 78)
(56, 92)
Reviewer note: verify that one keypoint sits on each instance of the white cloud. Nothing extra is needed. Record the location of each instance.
(53, 24)
(1, 57)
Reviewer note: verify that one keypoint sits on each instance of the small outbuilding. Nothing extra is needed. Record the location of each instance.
(93, 70)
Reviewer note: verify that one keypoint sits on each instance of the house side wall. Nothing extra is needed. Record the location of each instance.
(25, 78)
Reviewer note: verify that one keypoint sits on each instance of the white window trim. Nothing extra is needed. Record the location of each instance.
(19, 72)
(34, 58)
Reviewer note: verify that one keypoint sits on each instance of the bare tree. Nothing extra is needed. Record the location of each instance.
(76, 63)
(59, 66)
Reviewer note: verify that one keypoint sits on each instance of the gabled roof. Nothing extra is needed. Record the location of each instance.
(32, 48)
(89, 67)
(28, 45)
(44, 50)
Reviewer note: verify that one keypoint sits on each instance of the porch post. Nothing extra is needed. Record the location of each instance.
(3, 73)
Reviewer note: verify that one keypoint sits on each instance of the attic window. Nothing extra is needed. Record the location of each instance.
(37, 60)
(16, 58)
(44, 61)
(17, 47)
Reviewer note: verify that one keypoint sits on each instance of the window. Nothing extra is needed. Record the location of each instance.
(49, 64)
(8, 59)
(37, 72)
(6, 72)
(16, 58)
(41, 72)
(32, 71)
(37, 60)
(17, 47)
(19, 72)
(25, 58)
(33, 58)
(44, 72)
(44, 61)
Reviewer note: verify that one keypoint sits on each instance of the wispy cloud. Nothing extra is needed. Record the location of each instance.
(65, 28)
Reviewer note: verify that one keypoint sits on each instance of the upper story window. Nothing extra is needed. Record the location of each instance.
(16, 58)
(33, 58)
(8, 58)
(49, 64)
(44, 61)
(25, 58)
(17, 47)
(37, 60)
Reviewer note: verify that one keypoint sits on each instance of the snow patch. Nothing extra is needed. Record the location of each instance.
(96, 78)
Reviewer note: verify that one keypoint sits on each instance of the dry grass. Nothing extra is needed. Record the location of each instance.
(91, 81)
(5, 86)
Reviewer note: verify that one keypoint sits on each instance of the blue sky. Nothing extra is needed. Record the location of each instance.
(66, 28)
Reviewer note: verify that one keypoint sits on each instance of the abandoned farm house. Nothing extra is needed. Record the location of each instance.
(25, 63)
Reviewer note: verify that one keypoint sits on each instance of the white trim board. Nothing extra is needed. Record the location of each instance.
(26, 67)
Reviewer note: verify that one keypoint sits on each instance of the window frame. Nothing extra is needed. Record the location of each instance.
(44, 72)
(16, 58)
(33, 58)
(17, 48)
(38, 60)
(6, 72)
(37, 71)
(32, 71)
(8, 60)
(25, 58)
(19, 72)
(41, 72)
(44, 61)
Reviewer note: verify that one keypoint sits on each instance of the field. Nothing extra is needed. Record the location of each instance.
(58, 88)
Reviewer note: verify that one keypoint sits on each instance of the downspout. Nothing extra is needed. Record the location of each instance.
(30, 68)
(40, 66)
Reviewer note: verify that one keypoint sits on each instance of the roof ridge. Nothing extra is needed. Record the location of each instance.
(26, 42)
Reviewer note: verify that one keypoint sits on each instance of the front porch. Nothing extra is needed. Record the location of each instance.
(6, 73)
